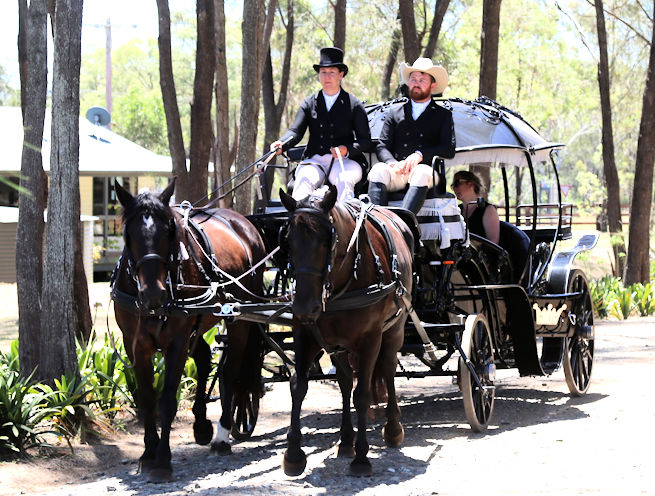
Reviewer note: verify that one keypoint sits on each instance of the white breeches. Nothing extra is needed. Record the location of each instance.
(310, 175)
(422, 175)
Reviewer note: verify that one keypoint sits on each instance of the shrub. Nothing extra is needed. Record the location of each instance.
(22, 413)
(644, 298)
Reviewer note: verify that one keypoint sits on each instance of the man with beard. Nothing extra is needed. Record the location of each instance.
(412, 135)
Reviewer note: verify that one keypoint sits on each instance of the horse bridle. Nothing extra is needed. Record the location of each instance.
(169, 262)
(326, 220)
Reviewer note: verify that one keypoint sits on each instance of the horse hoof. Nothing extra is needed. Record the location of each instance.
(360, 468)
(203, 431)
(160, 475)
(345, 450)
(294, 468)
(221, 448)
(393, 437)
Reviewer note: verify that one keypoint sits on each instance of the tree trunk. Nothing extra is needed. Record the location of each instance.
(273, 110)
(390, 64)
(609, 164)
(29, 237)
(58, 317)
(201, 128)
(440, 8)
(83, 322)
(638, 263)
(256, 29)
(167, 85)
(340, 24)
(222, 159)
(408, 25)
(488, 64)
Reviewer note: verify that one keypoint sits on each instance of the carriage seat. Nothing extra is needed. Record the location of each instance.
(517, 245)
(412, 222)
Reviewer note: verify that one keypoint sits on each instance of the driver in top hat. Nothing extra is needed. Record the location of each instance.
(412, 135)
(335, 118)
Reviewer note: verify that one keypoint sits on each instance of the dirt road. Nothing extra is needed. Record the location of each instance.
(541, 440)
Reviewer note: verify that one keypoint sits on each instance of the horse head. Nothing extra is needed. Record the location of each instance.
(150, 236)
(311, 242)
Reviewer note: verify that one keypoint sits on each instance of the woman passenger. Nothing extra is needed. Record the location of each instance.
(482, 220)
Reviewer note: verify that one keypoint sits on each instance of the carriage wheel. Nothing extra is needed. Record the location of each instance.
(477, 345)
(244, 409)
(579, 348)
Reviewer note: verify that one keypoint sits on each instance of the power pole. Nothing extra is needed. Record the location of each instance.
(108, 102)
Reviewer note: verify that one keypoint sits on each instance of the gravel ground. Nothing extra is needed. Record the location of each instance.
(540, 441)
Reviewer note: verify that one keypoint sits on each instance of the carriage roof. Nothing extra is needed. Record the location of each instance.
(485, 133)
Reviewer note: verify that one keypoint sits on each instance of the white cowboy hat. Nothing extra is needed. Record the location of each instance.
(425, 65)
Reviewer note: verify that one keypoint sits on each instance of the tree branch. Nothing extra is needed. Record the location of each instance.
(579, 30)
(625, 23)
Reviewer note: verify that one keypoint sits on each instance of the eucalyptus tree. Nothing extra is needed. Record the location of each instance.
(58, 318)
(192, 184)
(224, 152)
(489, 38)
(339, 7)
(257, 25)
(32, 46)
(412, 36)
(609, 163)
(638, 259)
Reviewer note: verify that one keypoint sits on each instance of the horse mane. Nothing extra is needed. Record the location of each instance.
(149, 204)
(310, 222)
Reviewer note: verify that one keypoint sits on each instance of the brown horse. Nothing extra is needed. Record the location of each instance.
(351, 269)
(166, 287)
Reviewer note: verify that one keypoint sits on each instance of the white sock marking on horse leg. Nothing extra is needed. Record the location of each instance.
(222, 435)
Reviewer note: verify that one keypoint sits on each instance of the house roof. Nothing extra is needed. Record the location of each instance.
(102, 152)
(9, 215)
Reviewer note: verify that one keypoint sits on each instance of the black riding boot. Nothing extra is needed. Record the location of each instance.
(377, 192)
(414, 198)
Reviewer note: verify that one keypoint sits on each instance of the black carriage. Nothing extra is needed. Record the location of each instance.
(476, 306)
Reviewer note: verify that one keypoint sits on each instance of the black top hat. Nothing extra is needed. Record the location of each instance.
(332, 57)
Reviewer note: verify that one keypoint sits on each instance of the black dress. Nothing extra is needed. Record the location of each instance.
(475, 220)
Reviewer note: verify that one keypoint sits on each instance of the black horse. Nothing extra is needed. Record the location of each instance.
(167, 282)
(351, 269)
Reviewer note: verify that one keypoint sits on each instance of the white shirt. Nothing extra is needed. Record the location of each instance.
(330, 99)
(418, 108)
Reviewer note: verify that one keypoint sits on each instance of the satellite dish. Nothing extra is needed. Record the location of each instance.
(98, 116)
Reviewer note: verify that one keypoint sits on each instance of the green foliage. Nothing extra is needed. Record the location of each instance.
(22, 410)
(140, 116)
(644, 298)
(75, 405)
(70, 400)
(103, 366)
(612, 299)
(9, 96)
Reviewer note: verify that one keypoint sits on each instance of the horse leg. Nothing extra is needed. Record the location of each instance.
(361, 466)
(202, 427)
(295, 460)
(345, 380)
(387, 362)
(146, 400)
(237, 337)
(175, 357)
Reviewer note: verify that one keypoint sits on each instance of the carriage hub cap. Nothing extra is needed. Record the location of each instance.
(489, 373)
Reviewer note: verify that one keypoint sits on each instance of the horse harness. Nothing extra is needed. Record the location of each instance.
(346, 300)
(215, 280)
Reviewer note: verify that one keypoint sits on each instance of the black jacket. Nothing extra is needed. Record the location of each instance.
(432, 134)
(345, 121)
